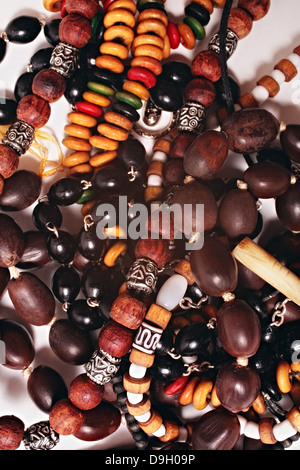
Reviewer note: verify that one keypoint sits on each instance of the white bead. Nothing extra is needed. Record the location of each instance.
(295, 59)
(159, 156)
(172, 292)
(137, 372)
(260, 94)
(283, 431)
(278, 76)
(189, 359)
(144, 418)
(135, 398)
(243, 423)
(183, 434)
(252, 430)
(154, 180)
(160, 432)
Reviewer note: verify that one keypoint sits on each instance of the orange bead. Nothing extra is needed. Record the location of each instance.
(82, 119)
(101, 159)
(80, 170)
(148, 63)
(118, 120)
(78, 131)
(96, 98)
(186, 396)
(76, 158)
(150, 51)
(201, 394)
(114, 49)
(126, 4)
(74, 143)
(109, 62)
(153, 14)
(283, 377)
(112, 132)
(121, 32)
(152, 26)
(137, 89)
(147, 39)
(104, 143)
(117, 16)
(207, 4)
(187, 37)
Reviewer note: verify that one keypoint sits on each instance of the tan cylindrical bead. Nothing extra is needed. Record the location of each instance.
(266, 431)
(141, 408)
(138, 386)
(159, 316)
(153, 424)
(141, 359)
(172, 431)
(294, 418)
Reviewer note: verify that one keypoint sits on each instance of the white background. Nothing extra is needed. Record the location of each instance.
(272, 39)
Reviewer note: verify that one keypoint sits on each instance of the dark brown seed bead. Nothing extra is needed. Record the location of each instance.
(200, 90)
(240, 22)
(35, 253)
(156, 250)
(207, 64)
(288, 208)
(248, 280)
(99, 423)
(11, 432)
(20, 190)
(4, 280)
(290, 141)
(115, 339)
(257, 8)
(19, 352)
(267, 180)
(12, 243)
(9, 162)
(49, 85)
(85, 394)
(75, 30)
(173, 173)
(34, 110)
(46, 387)
(128, 311)
(180, 144)
(88, 9)
(65, 418)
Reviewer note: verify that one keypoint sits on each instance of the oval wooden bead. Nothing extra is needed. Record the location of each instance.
(250, 130)
(216, 430)
(240, 22)
(84, 393)
(19, 348)
(34, 110)
(200, 90)
(12, 243)
(267, 180)
(238, 317)
(65, 418)
(214, 268)
(4, 280)
(75, 30)
(45, 387)
(49, 85)
(238, 214)
(99, 423)
(207, 154)
(207, 64)
(9, 161)
(88, 9)
(128, 311)
(287, 208)
(115, 339)
(11, 432)
(257, 9)
(156, 250)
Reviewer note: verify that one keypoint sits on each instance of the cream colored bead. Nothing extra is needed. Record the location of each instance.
(137, 372)
(252, 430)
(260, 94)
(160, 432)
(278, 76)
(159, 156)
(143, 418)
(295, 59)
(155, 180)
(135, 398)
(172, 292)
(283, 430)
(243, 423)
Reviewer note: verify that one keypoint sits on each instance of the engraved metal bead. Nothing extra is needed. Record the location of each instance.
(64, 59)
(142, 276)
(40, 436)
(191, 117)
(231, 43)
(102, 367)
(19, 137)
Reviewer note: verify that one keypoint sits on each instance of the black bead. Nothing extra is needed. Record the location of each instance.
(45, 215)
(269, 333)
(23, 29)
(2, 49)
(274, 155)
(89, 244)
(165, 343)
(289, 341)
(134, 426)
(97, 37)
(75, 87)
(23, 86)
(220, 93)
(66, 284)
(65, 192)
(198, 12)
(95, 283)
(122, 397)
(194, 293)
(192, 339)
(40, 60)
(85, 317)
(62, 247)
(8, 110)
(178, 73)
(258, 228)
(270, 387)
(265, 360)
(133, 153)
(127, 111)
(118, 388)
(166, 368)
(87, 55)
(105, 76)
(51, 31)
(166, 96)
(111, 181)
(156, 5)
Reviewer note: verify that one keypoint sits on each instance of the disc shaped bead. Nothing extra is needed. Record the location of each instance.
(115, 339)
(267, 180)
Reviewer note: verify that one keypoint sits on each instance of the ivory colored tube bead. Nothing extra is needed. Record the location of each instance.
(141, 408)
(252, 430)
(143, 418)
(73, 143)
(104, 143)
(284, 430)
(259, 405)
(118, 120)
(78, 131)
(137, 372)
(141, 359)
(201, 394)
(268, 268)
(100, 159)
(186, 396)
(96, 98)
(112, 132)
(153, 424)
(294, 418)
(260, 94)
(160, 432)
(159, 316)
(172, 292)
(114, 49)
(243, 421)
(283, 377)
(295, 59)
(76, 158)
(136, 385)
(154, 180)
(266, 431)
(82, 119)
(171, 431)
(278, 76)
(184, 269)
(135, 398)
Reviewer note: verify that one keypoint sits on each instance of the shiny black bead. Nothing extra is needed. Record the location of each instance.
(178, 73)
(198, 12)
(95, 283)
(23, 86)
(269, 386)
(192, 339)
(221, 95)
(127, 111)
(46, 215)
(274, 155)
(61, 247)
(89, 244)
(88, 55)
(8, 110)
(269, 333)
(133, 153)
(40, 60)
(156, 5)
(111, 180)
(65, 192)
(85, 317)
(105, 76)
(165, 343)
(51, 31)
(194, 293)
(97, 36)
(23, 29)
(166, 368)
(166, 96)
(66, 284)
(258, 228)
(2, 49)
(289, 341)
(75, 87)
(265, 360)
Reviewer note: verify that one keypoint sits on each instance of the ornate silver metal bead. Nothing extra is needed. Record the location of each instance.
(231, 43)
(64, 59)
(142, 276)
(102, 367)
(19, 137)
(191, 117)
(40, 436)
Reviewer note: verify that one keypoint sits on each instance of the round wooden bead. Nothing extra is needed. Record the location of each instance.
(207, 64)
(200, 90)
(34, 110)
(84, 393)
(294, 418)
(115, 339)
(49, 85)
(75, 30)
(88, 9)
(156, 250)
(9, 161)
(257, 8)
(128, 311)
(65, 418)
(266, 431)
(240, 22)
(11, 432)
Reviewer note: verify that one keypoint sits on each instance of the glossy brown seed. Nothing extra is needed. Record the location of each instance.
(247, 279)
(35, 253)
(173, 172)
(32, 299)
(207, 154)
(267, 180)
(75, 30)
(238, 328)
(99, 423)
(128, 311)
(214, 269)
(115, 339)
(288, 208)
(49, 85)
(12, 242)
(200, 90)
(206, 64)
(250, 130)
(85, 394)
(195, 194)
(257, 8)
(65, 418)
(45, 386)
(9, 161)
(240, 22)
(238, 214)
(180, 144)
(19, 348)
(11, 432)
(290, 141)
(69, 343)
(20, 191)
(156, 250)
(34, 110)
(216, 430)
(88, 9)
(237, 387)
(4, 280)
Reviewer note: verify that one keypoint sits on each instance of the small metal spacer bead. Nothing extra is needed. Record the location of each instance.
(64, 59)
(231, 43)
(19, 137)
(190, 117)
(142, 276)
(102, 367)
(40, 436)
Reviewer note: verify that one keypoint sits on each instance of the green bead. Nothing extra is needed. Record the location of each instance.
(100, 88)
(95, 23)
(129, 98)
(196, 27)
(87, 196)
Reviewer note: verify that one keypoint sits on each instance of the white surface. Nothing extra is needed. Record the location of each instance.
(271, 39)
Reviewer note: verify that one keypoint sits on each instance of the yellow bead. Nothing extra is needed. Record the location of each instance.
(74, 143)
(137, 89)
(112, 132)
(114, 49)
(104, 143)
(82, 119)
(96, 98)
(52, 5)
(114, 253)
(76, 158)
(101, 159)
(78, 131)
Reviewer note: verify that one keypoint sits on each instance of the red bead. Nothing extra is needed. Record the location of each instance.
(156, 250)
(174, 36)
(176, 386)
(139, 74)
(75, 30)
(115, 339)
(89, 108)
(85, 394)
(107, 4)
(11, 432)
(34, 110)
(88, 9)
(63, 9)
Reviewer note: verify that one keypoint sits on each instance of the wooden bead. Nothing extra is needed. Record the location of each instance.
(103, 143)
(116, 252)
(156, 250)
(184, 268)
(259, 405)
(186, 396)
(154, 193)
(75, 30)
(266, 431)
(153, 14)
(110, 63)
(152, 26)
(82, 169)
(96, 98)
(126, 4)
(287, 68)
(52, 5)
(201, 394)
(119, 15)
(162, 145)
(121, 32)
(240, 22)
(11, 432)
(257, 8)
(155, 168)
(214, 398)
(49, 85)
(207, 64)
(283, 377)
(141, 359)
(80, 145)
(149, 39)
(158, 316)
(75, 130)
(82, 119)
(76, 158)
(84, 393)
(65, 418)
(167, 47)
(137, 89)
(9, 161)
(187, 37)
(115, 339)
(118, 120)
(153, 424)
(270, 84)
(101, 159)
(150, 51)
(172, 431)
(112, 132)
(88, 9)
(219, 3)
(114, 49)
(207, 4)
(128, 311)
(34, 110)
(294, 418)
(148, 63)
(141, 408)
(248, 101)
(137, 386)
(297, 50)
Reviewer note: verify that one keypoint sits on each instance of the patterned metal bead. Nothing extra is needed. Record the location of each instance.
(102, 367)
(147, 338)
(64, 59)
(191, 117)
(231, 43)
(40, 436)
(19, 137)
(142, 276)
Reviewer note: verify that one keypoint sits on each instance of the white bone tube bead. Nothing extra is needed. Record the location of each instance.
(160, 432)
(252, 430)
(135, 398)
(243, 423)
(295, 59)
(278, 76)
(144, 418)
(154, 180)
(159, 156)
(137, 372)
(172, 292)
(260, 94)
(283, 431)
